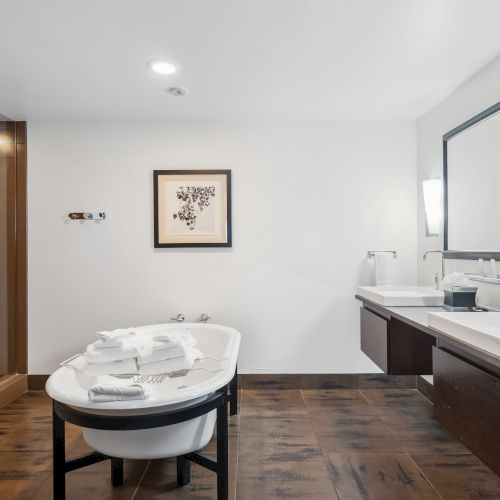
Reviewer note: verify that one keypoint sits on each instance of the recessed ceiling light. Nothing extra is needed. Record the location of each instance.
(162, 67)
(177, 91)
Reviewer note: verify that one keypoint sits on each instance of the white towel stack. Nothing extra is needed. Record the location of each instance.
(115, 352)
(168, 352)
(150, 350)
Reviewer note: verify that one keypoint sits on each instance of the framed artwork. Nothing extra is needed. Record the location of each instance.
(192, 208)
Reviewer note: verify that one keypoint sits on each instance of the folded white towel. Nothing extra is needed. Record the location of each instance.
(116, 392)
(176, 337)
(119, 333)
(126, 351)
(171, 365)
(106, 344)
(123, 367)
(158, 351)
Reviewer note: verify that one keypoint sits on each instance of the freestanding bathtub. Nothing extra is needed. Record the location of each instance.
(219, 344)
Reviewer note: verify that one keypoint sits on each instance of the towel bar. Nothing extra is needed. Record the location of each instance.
(371, 253)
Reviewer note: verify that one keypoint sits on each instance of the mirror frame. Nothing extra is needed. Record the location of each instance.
(462, 254)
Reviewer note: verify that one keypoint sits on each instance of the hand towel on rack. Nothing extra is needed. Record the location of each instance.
(384, 263)
(126, 351)
(171, 365)
(117, 392)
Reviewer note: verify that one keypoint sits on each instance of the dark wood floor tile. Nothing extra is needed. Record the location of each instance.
(160, 482)
(338, 402)
(268, 403)
(22, 473)
(328, 381)
(383, 381)
(398, 401)
(422, 434)
(21, 489)
(270, 477)
(270, 382)
(459, 477)
(27, 462)
(378, 476)
(94, 483)
(353, 434)
(266, 436)
(31, 436)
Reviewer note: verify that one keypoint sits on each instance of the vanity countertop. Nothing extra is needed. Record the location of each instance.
(417, 317)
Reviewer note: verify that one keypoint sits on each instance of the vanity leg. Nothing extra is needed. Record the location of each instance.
(58, 457)
(183, 471)
(222, 453)
(116, 471)
(233, 390)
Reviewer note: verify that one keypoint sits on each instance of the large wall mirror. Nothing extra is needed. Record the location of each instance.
(471, 172)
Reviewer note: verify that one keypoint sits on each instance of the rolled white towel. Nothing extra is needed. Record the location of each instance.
(117, 392)
(159, 351)
(97, 355)
(123, 367)
(171, 365)
(119, 333)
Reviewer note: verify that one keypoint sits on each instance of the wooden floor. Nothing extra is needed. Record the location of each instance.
(345, 444)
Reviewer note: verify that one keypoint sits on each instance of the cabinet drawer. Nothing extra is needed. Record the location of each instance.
(374, 338)
(467, 402)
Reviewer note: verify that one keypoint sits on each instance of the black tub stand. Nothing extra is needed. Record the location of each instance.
(218, 401)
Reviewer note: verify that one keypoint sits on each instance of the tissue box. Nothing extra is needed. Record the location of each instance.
(460, 298)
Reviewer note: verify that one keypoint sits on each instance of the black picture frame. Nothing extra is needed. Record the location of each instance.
(198, 172)
(457, 253)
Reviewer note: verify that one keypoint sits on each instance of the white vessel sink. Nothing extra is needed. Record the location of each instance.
(479, 329)
(405, 296)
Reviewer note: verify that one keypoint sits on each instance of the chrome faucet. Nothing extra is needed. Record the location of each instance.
(179, 318)
(442, 259)
(204, 318)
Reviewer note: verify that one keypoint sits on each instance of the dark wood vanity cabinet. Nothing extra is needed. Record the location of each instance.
(393, 345)
(467, 402)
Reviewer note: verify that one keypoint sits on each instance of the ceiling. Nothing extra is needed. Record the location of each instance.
(241, 59)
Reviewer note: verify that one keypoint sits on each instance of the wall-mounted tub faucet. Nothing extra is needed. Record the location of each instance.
(204, 318)
(179, 318)
(442, 259)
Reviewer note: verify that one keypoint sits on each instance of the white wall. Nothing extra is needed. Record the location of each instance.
(477, 94)
(309, 200)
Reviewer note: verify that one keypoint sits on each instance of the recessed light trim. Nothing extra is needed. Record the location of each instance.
(163, 67)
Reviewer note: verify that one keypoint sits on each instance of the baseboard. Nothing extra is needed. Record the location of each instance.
(425, 388)
(327, 381)
(37, 382)
(279, 381)
(12, 387)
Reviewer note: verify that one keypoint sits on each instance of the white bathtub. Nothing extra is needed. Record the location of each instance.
(215, 341)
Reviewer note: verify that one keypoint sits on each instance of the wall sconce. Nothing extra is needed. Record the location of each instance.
(433, 202)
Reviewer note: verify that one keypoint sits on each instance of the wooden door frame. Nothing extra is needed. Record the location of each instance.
(17, 361)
